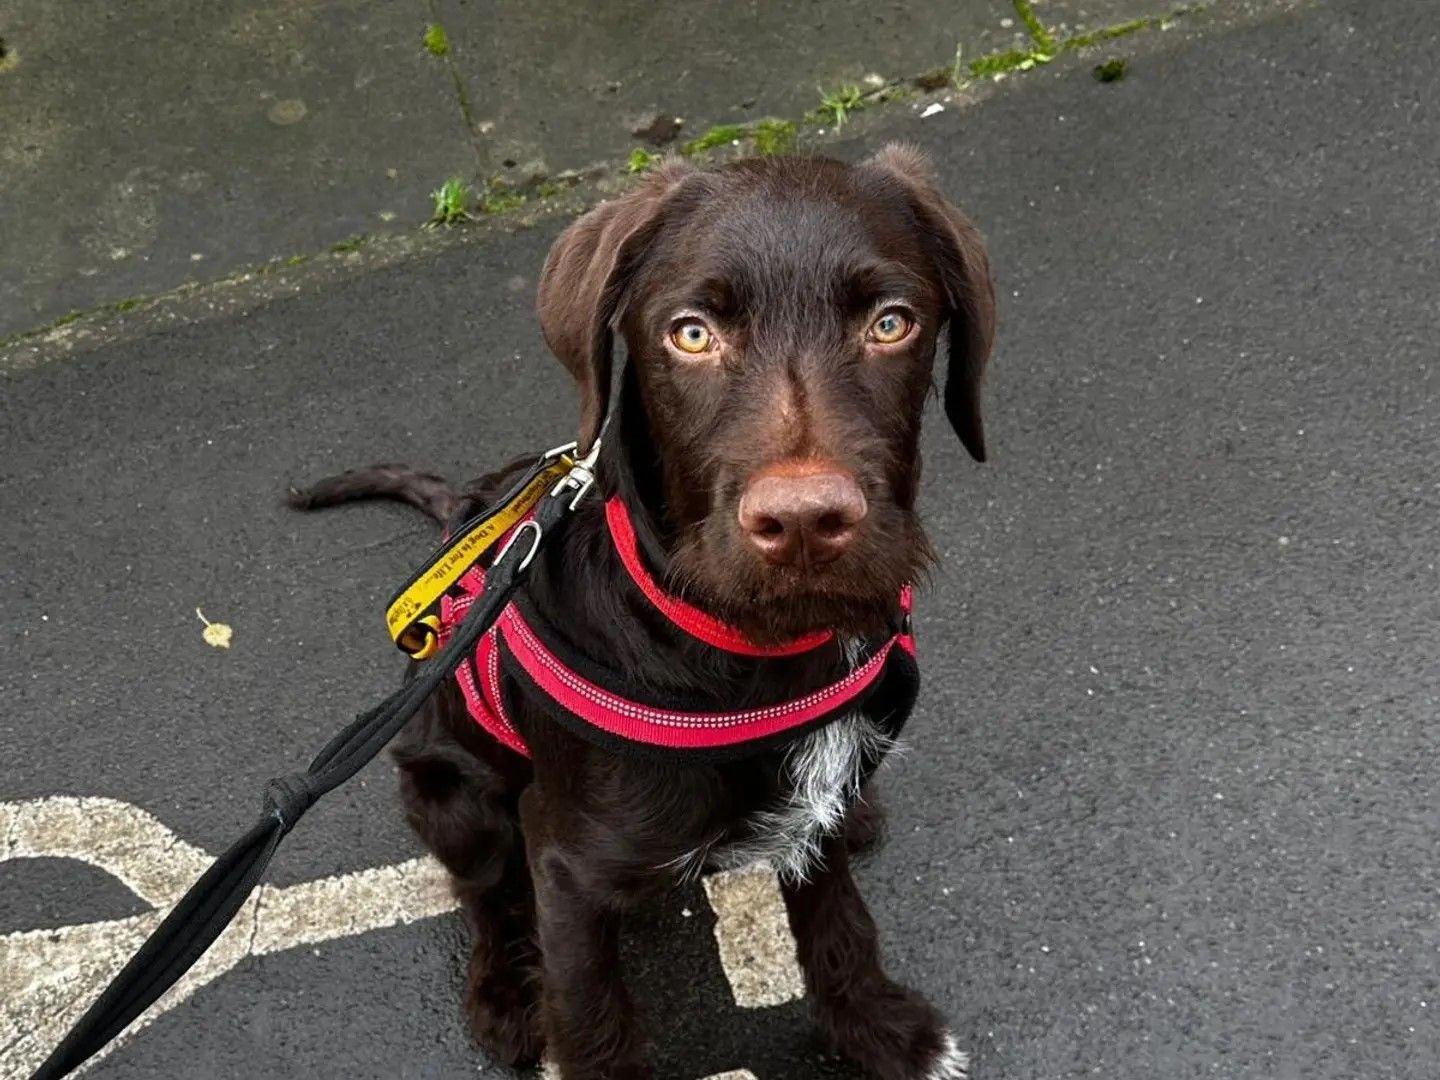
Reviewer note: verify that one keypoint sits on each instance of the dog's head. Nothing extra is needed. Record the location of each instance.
(781, 319)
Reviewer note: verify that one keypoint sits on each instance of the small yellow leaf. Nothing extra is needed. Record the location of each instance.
(216, 634)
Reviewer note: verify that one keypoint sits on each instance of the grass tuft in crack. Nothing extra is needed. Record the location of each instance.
(1044, 39)
(959, 80)
(451, 203)
(836, 105)
(437, 42)
(999, 64)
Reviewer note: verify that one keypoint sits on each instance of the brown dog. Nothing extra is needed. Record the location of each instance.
(780, 319)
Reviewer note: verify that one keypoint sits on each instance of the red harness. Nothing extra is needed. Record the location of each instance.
(633, 721)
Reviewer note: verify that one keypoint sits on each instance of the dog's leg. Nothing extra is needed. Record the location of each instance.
(465, 813)
(891, 1032)
(589, 1020)
(502, 1002)
(865, 823)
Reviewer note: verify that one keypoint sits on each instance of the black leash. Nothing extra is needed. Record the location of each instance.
(213, 901)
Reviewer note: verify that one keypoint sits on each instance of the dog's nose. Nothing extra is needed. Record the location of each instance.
(805, 516)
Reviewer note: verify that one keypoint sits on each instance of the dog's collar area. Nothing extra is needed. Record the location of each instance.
(687, 617)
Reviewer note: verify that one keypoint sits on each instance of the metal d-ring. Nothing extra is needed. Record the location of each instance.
(531, 523)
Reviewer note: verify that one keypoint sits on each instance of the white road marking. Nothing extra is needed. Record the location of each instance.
(752, 930)
(48, 977)
(121, 839)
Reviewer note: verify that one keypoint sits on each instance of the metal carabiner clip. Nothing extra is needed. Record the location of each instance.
(581, 477)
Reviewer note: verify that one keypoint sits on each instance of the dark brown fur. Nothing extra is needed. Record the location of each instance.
(788, 258)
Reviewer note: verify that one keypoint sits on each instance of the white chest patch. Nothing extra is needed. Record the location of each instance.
(823, 771)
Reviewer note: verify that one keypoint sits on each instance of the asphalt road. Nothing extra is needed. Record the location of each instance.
(1171, 809)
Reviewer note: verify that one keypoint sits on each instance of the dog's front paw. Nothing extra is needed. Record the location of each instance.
(895, 1034)
(952, 1063)
(503, 1015)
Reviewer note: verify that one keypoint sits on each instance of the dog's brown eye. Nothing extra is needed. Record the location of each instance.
(691, 336)
(892, 326)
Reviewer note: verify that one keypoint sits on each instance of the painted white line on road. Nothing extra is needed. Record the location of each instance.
(48, 977)
(757, 950)
(121, 839)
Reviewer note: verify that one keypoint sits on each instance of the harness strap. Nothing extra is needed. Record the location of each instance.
(676, 729)
(696, 623)
(634, 721)
(479, 677)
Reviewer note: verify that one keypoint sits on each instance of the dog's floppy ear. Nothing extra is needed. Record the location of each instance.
(960, 257)
(582, 287)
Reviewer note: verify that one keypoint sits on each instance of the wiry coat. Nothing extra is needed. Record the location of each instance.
(789, 260)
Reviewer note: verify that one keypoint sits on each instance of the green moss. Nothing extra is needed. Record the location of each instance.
(354, 243)
(640, 160)
(437, 42)
(548, 190)
(70, 317)
(297, 260)
(1112, 70)
(1000, 63)
(1108, 33)
(1133, 26)
(774, 136)
(502, 202)
(720, 135)
(1044, 39)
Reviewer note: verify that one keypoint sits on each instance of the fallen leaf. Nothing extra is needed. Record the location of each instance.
(216, 634)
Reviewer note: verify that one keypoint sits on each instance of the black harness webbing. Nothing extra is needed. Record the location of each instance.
(212, 902)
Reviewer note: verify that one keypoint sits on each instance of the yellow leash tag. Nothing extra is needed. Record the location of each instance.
(411, 627)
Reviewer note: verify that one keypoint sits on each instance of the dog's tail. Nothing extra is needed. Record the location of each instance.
(422, 490)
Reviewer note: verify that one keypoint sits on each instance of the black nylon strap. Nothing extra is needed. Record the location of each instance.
(213, 901)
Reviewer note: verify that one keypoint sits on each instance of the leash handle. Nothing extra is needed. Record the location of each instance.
(211, 903)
